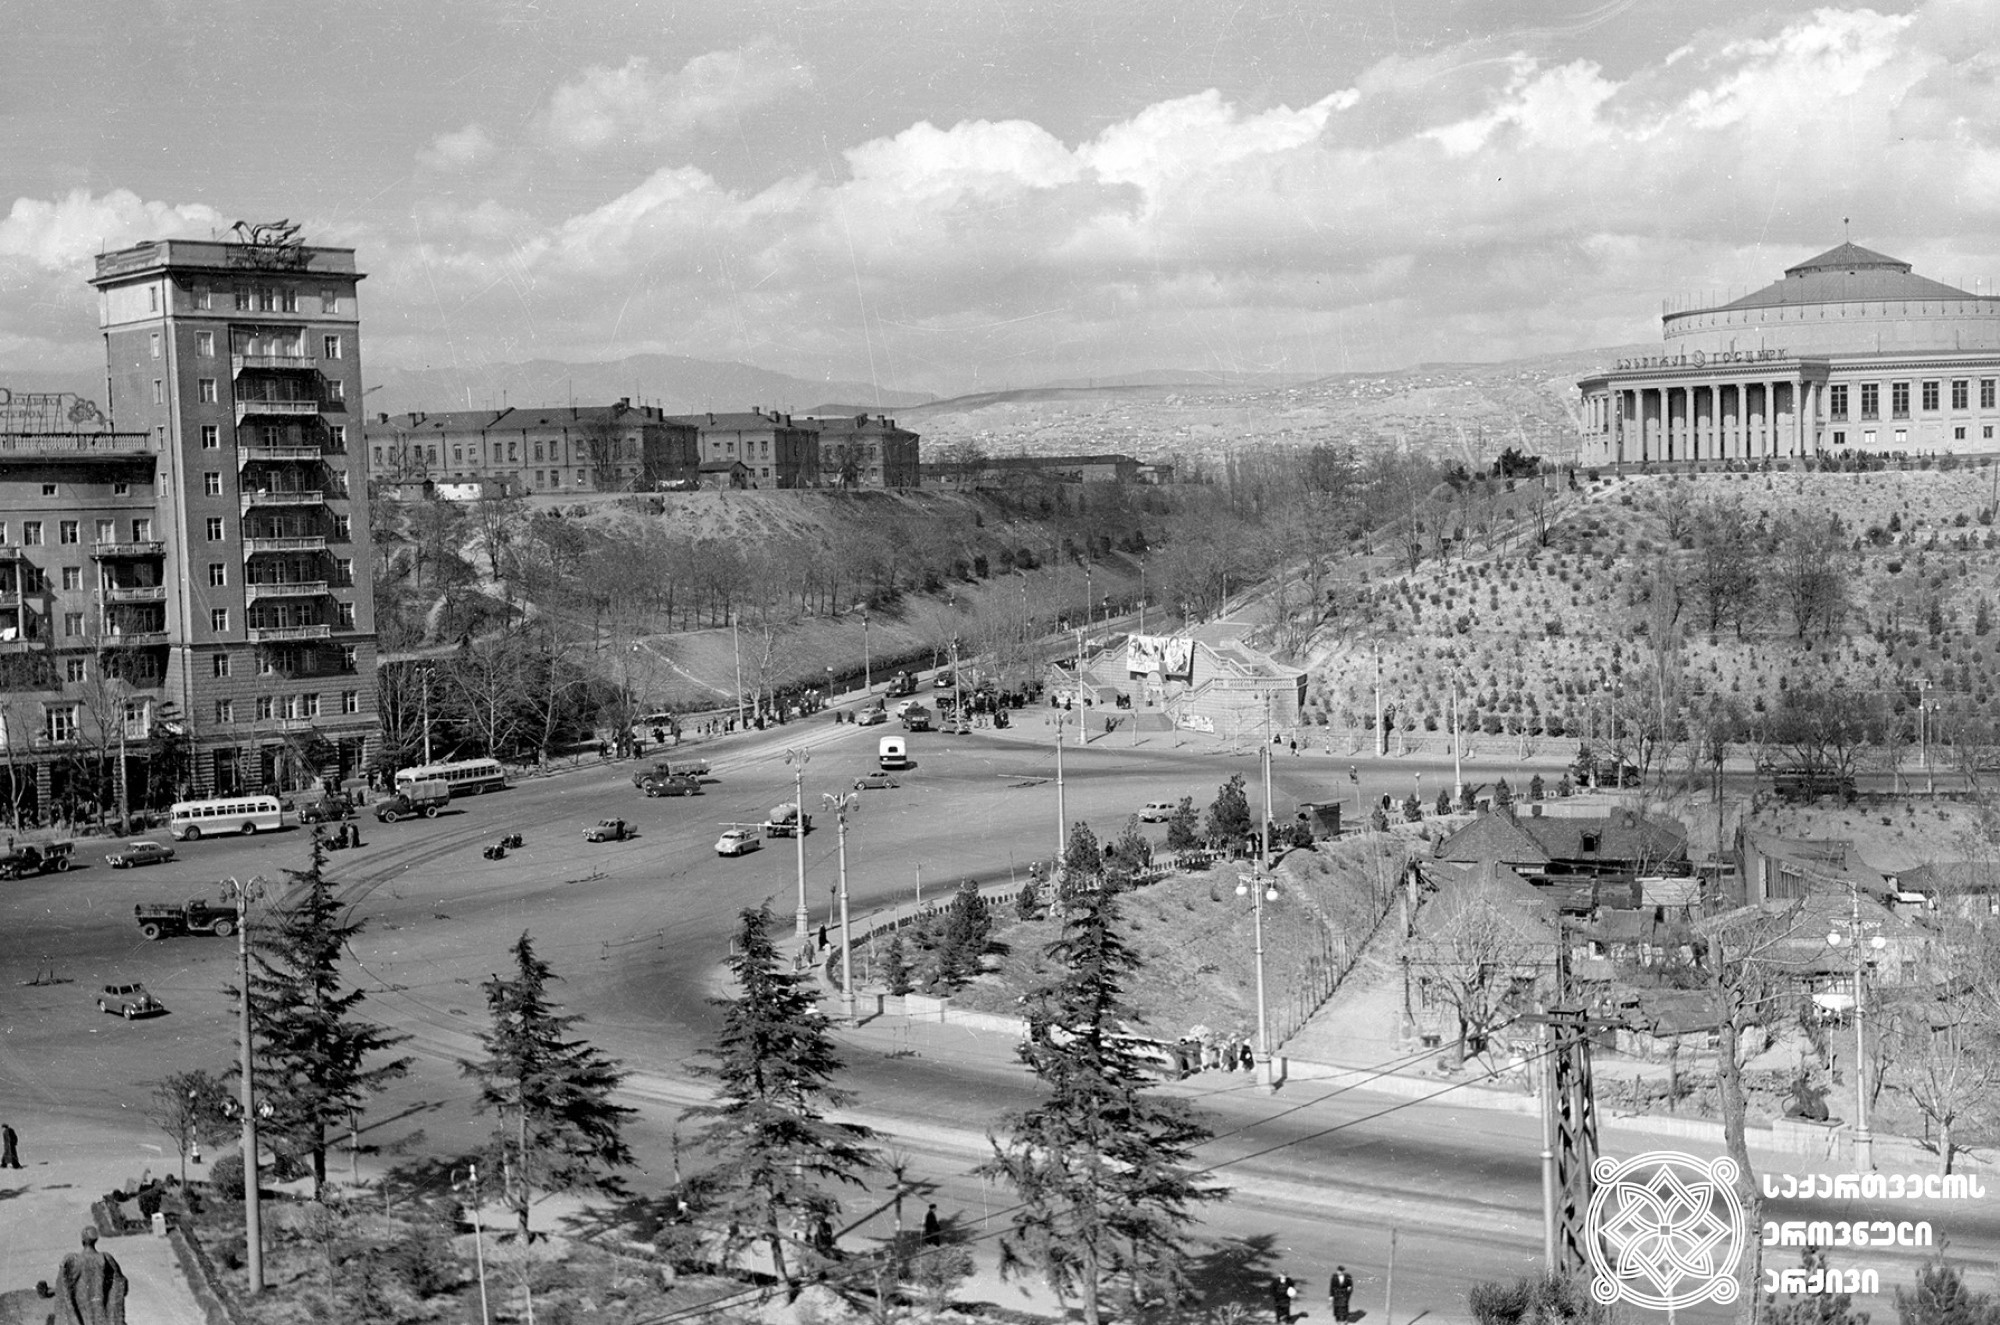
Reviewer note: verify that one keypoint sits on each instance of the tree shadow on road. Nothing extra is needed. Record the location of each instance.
(1238, 1271)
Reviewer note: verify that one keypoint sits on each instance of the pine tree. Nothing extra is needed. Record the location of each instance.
(1941, 1297)
(312, 1053)
(1082, 862)
(1181, 824)
(773, 1146)
(1131, 855)
(896, 967)
(559, 1129)
(1503, 795)
(1102, 1166)
(968, 926)
(1443, 801)
(1229, 820)
(1027, 902)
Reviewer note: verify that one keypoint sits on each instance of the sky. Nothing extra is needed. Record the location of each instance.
(967, 195)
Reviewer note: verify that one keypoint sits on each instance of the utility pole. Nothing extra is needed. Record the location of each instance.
(736, 644)
(427, 712)
(1079, 685)
(1381, 737)
(253, 1225)
(1457, 751)
(797, 757)
(1062, 818)
(839, 804)
(867, 659)
(1864, 1140)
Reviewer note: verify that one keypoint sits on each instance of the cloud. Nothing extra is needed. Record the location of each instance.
(62, 235)
(638, 105)
(458, 150)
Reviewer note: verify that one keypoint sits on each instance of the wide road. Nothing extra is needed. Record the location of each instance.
(638, 931)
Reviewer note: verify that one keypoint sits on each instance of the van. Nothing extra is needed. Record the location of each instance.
(1157, 812)
(894, 753)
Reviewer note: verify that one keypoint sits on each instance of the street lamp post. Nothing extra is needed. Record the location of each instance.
(1457, 751)
(839, 804)
(736, 645)
(1257, 884)
(253, 1224)
(797, 758)
(867, 659)
(1142, 595)
(1864, 1140)
(478, 1238)
(1062, 818)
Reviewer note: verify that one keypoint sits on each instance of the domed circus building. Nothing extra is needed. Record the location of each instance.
(1852, 350)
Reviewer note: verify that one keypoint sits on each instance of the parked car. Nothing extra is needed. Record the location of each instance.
(158, 920)
(875, 782)
(331, 807)
(140, 853)
(943, 681)
(609, 830)
(128, 1001)
(737, 841)
(673, 786)
(1157, 812)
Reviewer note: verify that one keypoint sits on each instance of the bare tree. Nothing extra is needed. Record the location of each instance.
(1481, 963)
(1810, 575)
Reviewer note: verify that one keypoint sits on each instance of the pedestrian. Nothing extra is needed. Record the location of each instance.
(90, 1288)
(1295, 747)
(10, 1148)
(933, 1231)
(822, 936)
(823, 1236)
(1229, 1056)
(1248, 1061)
(1283, 1294)
(1340, 1291)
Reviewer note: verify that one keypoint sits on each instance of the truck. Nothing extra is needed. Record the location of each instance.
(413, 799)
(893, 753)
(902, 683)
(667, 770)
(29, 858)
(197, 915)
(786, 821)
(917, 718)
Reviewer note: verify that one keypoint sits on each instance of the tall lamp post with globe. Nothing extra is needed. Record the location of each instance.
(1857, 937)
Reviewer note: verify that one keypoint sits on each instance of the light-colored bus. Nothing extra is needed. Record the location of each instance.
(466, 777)
(189, 821)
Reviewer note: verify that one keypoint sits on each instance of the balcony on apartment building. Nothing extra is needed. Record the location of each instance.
(257, 592)
(124, 593)
(286, 543)
(281, 406)
(134, 548)
(255, 497)
(289, 634)
(286, 361)
(277, 454)
(75, 446)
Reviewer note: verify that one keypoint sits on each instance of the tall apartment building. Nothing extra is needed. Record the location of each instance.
(778, 452)
(228, 551)
(559, 449)
(866, 451)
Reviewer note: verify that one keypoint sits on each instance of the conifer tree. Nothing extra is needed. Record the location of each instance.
(773, 1064)
(1102, 1167)
(1027, 902)
(1229, 820)
(1181, 826)
(896, 967)
(968, 926)
(559, 1129)
(314, 1056)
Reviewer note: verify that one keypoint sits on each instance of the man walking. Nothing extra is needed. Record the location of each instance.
(1283, 1294)
(90, 1288)
(1340, 1291)
(10, 1148)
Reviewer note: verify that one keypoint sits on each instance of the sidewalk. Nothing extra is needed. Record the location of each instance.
(46, 1206)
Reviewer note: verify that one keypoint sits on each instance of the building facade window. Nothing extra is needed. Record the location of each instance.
(72, 624)
(74, 670)
(204, 298)
(1871, 400)
(1836, 401)
(69, 532)
(310, 706)
(218, 618)
(204, 345)
(1961, 394)
(218, 574)
(336, 389)
(343, 570)
(107, 531)
(330, 346)
(59, 723)
(211, 483)
(142, 529)
(350, 701)
(31, 533)
(343, 528)
(72, 578)
(337, 438)
(211, 437)
(1930, 397)
(1899, 400)
(1902, 438)
(1986, 393)
(329, 301)
(215, 529)
(350, 657)
(264, 708)
(347, 616)
(1958, 433)
(219, 665)
(204, 390)
(153, 344)
(225, 711)
(159, 391)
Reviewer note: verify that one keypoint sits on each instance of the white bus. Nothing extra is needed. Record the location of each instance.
(466, 777)
(189, 821)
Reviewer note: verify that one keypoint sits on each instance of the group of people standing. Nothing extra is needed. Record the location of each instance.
(1339, 1293)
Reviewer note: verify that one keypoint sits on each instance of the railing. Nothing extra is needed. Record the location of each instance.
(145, 547)
(8, 646)
(294, 408)
(282, 634)
(292, 497)
(273, 362)
(290, 589)
(126, 593)
(306, 543)
(133, 639)
(276, 454)
(75, 446)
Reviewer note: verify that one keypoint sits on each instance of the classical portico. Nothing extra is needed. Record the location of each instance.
(1692, 411)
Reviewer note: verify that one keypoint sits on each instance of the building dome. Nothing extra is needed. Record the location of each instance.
(1847, 300)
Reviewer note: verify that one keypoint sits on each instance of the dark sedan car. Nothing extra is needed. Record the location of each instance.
(875, 782)
(140, 853)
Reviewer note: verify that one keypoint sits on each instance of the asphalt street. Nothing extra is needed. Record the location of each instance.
(638, 930)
